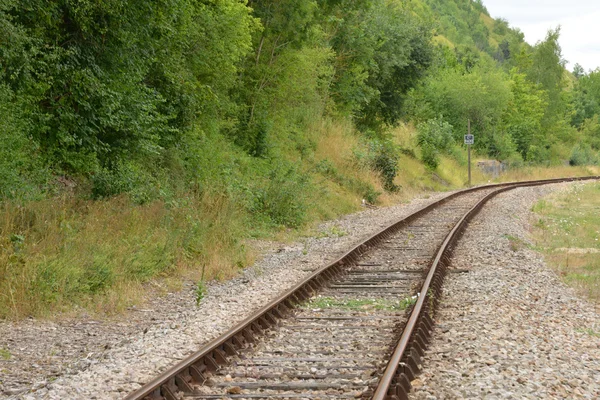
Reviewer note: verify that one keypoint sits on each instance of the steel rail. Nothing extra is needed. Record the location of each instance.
(404, 363)
(193, 369)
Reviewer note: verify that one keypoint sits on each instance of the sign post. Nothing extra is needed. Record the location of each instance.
(469, 140)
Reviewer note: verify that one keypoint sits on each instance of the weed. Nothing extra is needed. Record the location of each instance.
(305, 246)
(200, 291)
(408, 302)
(541, 224)
(333, 231)
(5, 354)
(201, 287)
(284, 199)
(540, 206)
(590, 332)
(515, 243)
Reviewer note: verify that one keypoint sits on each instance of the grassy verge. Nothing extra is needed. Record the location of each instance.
(63, 254)
(568, 231)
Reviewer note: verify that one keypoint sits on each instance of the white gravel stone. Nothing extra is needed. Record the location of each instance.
(510, 329)
(84, 358)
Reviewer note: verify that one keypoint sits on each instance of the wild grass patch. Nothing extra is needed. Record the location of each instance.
(64, 252)
(5, 354)
(568, 231)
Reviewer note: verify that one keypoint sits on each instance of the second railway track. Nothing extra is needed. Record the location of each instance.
(344, 331)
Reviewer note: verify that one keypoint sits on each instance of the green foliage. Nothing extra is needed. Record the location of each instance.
(590, 131)
(586, 97)
(362, 305)
(583, 154)
(200, 291)
(284, 199)
(22, 173)
(114, 92)
(481, 95)
(434, 137)
(382, 156)
(547, 70)
(108, 81)
(382, 52)
(523, 117)
(129, 177)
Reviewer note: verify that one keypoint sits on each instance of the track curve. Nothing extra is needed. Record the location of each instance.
(331, 336)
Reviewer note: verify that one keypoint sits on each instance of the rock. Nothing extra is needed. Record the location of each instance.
(234, 390)
(417, 383)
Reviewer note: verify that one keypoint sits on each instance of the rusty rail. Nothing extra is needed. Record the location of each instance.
(396, 379)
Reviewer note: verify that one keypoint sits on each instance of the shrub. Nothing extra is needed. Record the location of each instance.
(583, 154)
(382, 157)
(21, 172)
(434, 136)
(129, 178)
(430, 155)
(283, 199)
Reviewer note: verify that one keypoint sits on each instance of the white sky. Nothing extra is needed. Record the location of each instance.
(579, 21)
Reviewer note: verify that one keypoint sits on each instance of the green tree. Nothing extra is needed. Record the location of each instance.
(481, 95)
(522, 118)
(119, 80)
(547, 69)
(586, 97)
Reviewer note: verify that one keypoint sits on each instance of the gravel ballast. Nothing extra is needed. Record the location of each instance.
(86, 358)
(509, 328)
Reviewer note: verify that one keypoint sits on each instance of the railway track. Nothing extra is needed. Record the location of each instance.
(356, 328)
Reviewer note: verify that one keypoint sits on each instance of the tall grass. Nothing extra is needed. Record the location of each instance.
(335, 160)
(64, 252)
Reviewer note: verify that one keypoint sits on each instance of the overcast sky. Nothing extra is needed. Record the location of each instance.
(579, 21)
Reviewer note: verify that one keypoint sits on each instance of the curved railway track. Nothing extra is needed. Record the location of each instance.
(355, 328)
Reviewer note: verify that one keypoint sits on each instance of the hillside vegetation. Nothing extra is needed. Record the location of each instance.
(152, 139)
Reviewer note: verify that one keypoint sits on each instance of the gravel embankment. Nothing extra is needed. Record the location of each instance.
(509, 328)
(91, 359)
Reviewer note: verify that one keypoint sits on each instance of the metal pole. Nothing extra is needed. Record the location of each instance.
(469, 153)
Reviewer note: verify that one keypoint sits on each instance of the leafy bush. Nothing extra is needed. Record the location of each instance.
(430, 155)
(434, 137)
(583, 154)
(382, 157)
(129, 178)
(22, 174)
(501, 146)
(283, 199)
(538, 154)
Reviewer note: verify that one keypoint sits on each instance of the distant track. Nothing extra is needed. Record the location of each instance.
(341, 332)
